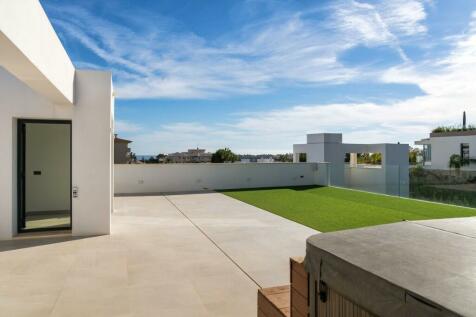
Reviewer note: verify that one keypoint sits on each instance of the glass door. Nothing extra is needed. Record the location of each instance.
(464, 153)
(44, 174)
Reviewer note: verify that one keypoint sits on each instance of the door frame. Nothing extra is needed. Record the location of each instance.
(21, 144)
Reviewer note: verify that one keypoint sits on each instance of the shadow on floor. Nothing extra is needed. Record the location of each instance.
(205, 191)
(295, 188)
(35, 241)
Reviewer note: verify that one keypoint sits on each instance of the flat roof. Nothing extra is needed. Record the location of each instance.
(423, 141)
(453, 133)
(116, 139)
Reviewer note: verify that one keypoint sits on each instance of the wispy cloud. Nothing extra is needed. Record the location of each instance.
(121, 126)
(447, 81)
(154, 60)
(404, 17)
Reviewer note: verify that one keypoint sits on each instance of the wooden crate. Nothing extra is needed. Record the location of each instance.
(299, 288)
(274, 301)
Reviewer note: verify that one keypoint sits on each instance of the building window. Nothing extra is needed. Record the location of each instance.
(364, 159)
(302, 157)
(427, 153)
(464, 154)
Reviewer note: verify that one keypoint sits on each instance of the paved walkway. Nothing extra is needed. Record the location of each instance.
(177, 255)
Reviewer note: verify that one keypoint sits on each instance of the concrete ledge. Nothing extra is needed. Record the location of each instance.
(33, 53)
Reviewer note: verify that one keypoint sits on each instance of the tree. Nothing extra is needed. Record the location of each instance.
(132, 158)
(224, 155)
(455, 161)
(162, 158)
(413, 156)
(152, 159)
(284, 158)
(375, 158)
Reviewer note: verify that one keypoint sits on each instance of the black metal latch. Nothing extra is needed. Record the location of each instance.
(323, 291)
(75, 192)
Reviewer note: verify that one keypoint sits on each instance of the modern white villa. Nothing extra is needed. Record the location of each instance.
(57, 131)
(389, 177)
(438, 148)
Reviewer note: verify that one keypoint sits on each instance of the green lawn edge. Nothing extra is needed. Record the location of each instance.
(332, 208)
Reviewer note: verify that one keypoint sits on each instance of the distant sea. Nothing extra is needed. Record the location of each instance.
(141, 157)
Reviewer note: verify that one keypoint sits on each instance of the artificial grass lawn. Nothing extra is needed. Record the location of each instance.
(330, 209)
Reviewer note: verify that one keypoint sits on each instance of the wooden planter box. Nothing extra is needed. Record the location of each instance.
(299, 288)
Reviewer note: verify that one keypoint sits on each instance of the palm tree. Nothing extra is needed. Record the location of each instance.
(455, 161)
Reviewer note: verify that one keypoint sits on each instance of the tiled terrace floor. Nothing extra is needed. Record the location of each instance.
(178, 255)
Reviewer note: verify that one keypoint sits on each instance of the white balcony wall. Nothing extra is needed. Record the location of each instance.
(163, 178)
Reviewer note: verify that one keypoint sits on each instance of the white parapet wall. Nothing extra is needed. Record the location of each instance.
(164, 178)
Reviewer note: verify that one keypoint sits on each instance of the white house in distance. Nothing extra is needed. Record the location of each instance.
(438, 148)
(391, 177)
(191, 156)
(57, 131)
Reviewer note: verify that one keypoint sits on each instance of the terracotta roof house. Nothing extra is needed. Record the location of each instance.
(122, 152)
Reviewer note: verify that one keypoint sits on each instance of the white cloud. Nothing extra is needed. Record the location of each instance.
(382, 23)
(448, 83)
(404, 17)
(153, 60)
(121, 126)
(291, 47)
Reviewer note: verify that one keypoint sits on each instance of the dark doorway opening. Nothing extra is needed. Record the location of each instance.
(44, 175)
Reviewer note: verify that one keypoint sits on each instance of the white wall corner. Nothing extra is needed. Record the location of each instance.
(32, 51)
(92, 157)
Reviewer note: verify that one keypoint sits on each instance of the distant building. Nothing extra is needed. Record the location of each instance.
(256, 158)
(122, 152)
(265, 160)
(191, 156)
(438, 148)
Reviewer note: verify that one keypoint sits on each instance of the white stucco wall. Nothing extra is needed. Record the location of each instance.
(32, 51)
(443, 147)
(92, 145)
(92, 152)
(157, 178)
(17, 100)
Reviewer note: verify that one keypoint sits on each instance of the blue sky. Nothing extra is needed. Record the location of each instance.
(257, 75)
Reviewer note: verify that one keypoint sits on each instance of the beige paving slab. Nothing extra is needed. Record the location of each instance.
(259, 241)
(185, 258)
